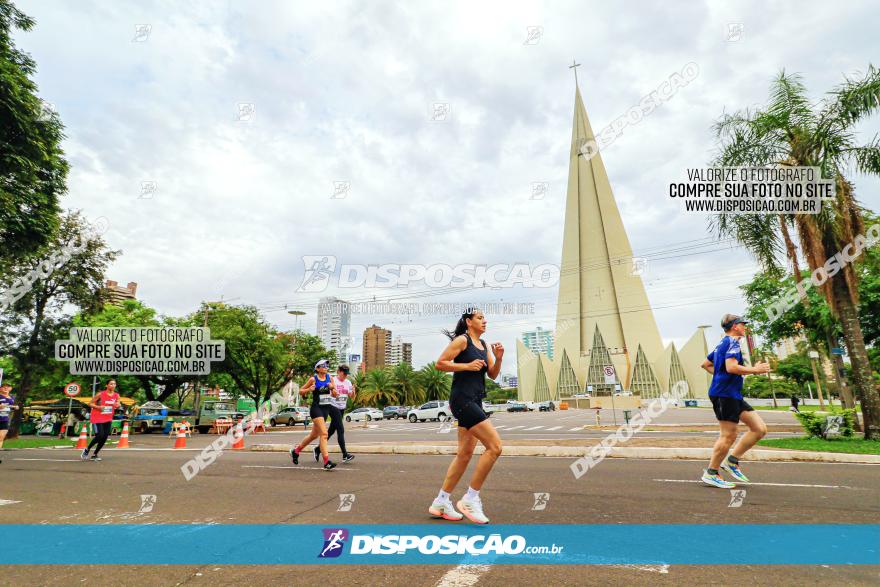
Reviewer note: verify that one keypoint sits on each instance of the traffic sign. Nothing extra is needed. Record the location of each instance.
(609, 374)
(837, 351)
(72, 389)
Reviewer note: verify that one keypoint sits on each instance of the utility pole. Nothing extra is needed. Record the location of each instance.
(813, 356)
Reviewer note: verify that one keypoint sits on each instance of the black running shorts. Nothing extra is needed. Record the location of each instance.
(319, 411)
(469, 413)
(728, 409)
(4, 424)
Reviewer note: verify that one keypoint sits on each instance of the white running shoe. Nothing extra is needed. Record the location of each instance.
(473, 509)
(445, 510)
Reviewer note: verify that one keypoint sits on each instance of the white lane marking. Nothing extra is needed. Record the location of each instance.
(662, 569)
(463, 576)
(514, 428)
(295, 467)
(767, 484)
(554, 428)
(576, 429)
(54, 460)
(533, 428)
(8, 501)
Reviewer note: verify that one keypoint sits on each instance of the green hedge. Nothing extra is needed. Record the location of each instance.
(814, 422)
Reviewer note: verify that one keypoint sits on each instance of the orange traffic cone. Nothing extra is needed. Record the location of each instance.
(239, 437)
(181, 438)
(123, 438)
(83, 442)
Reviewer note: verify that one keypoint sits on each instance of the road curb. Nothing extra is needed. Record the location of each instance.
(622, 452)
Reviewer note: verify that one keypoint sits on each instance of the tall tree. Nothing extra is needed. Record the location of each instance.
(436, 383)
(379, 389)
(30, 326)
(789, 131)
(33, 170)
(408, 384)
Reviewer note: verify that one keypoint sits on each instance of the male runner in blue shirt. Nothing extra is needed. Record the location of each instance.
(725, 363)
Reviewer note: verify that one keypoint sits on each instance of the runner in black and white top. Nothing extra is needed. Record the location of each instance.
(467, 357)
(323, 391)
(344, 389)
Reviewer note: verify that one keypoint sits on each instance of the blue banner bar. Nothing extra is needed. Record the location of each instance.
(441, 544)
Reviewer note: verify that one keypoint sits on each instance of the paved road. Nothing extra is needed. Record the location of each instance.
(53, 487)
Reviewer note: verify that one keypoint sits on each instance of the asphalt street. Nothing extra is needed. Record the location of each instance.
(52, 486)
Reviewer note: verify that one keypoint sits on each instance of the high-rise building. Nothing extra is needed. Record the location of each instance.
(334, 323)
(401, 352)
(539, 341)
(606, 335)
(377, 347)
(116, 294)
(508, 380)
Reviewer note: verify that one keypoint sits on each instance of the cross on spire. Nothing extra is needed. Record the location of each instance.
(574, 65)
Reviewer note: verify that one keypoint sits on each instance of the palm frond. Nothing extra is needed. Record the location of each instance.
(854, 99)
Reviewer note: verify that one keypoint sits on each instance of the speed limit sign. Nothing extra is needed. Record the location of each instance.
(72, 389)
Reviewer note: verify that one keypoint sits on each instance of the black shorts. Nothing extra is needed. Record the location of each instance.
(4, 424)
(728, 409)
(319, 412)
(469, 413)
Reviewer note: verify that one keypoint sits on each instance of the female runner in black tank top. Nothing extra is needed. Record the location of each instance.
(323, 390)
(468, 359)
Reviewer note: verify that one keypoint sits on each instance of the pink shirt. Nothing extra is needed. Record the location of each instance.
(345, 389)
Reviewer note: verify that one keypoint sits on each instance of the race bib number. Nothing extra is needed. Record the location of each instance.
(325, 399)
(5, 409)
(106, 409)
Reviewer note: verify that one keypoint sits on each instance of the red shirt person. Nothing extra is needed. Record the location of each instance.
(103, 405)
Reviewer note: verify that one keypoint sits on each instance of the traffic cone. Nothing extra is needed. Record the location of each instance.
(83, 442)
(181, 438)
(123, 438)
(239, 437)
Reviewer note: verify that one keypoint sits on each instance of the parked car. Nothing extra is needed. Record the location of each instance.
(394, 412)
(583, 395)
(288, 416)
(436, 410)
(361, 414)
(517, 407)
(623, 393)
(211, 410)
(492, 408)
(302, 415)
(546, 407)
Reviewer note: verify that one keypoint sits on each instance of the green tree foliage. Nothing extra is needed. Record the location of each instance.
(33, 170)
(794, 130)
(30, 326)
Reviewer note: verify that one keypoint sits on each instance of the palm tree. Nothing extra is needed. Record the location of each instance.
(791, 131)
(435, 382)
(378, 389)
(408, 385)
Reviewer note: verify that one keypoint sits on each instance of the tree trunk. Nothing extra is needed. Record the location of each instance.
(863, 385)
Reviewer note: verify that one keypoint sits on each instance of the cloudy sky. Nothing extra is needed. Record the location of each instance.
(344, 94)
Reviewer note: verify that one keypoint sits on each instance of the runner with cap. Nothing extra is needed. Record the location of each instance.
(323, 391)
(725, 363)
(345, 389)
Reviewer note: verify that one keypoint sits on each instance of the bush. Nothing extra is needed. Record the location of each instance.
(814, 422)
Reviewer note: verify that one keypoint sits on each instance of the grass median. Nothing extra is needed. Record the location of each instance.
(846, 445)
(33, 442)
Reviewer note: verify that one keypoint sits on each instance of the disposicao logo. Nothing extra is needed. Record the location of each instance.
(334, 541)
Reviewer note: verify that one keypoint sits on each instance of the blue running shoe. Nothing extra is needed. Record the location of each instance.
(734, 471)
(716, 481)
